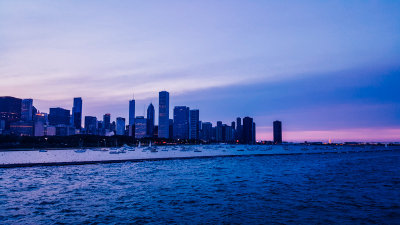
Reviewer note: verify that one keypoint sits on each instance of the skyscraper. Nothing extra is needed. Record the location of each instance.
(194, 130)
(106, 121)
(132, 112)
(163, 114)
(120, 126)
(206, 130)
(181, 122)
(77, 113)
(218, 131)
(59, 116)
(140, 127)
(150, 120)
(248, 130)
(10, 110)
(26, 110)
(277, 132)
(91, 125)
(239, 128)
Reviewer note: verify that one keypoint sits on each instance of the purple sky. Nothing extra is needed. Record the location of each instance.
(326, 69)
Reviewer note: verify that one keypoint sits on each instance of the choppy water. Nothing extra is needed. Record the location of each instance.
(299, 189)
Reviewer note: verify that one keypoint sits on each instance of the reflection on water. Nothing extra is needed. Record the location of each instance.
(321, 188)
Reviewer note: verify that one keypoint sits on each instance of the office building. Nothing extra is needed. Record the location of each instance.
(91, 125)
(150, 120)
(247, 131)
(26, 110)
(194, 130)
(181, 122)
(22, 128)
(206, 131)
(107, 121)
(59, 116)
(140, 127)
(132, 112)
(163, 115)
(239, 136)
(277, 132)
(120, 126)
(10, 110)
(77, 113)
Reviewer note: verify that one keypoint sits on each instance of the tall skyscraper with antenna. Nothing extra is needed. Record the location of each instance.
(163, 114)
(132, 111)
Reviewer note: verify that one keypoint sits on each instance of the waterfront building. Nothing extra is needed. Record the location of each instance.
(91, 125)
(218, 132)
(150, 120)
(106, 121)
(163, 115)
(206, 131)
(277, 132)
(50, 131)
(39, 129)
(155, 134)
(10, 110)
(113, 127)
(59, 116)
(171, 128)
(181, 122)
(194, 130)
(120, 126)
(239, 128)
(131, 112)
(77, 113)
(140, 127)
(248, 135)
(64, 130)
(22, 128)
(27, 110)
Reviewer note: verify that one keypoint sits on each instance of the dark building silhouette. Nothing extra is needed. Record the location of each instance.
(59, 116)
(132, 112)
(141, 127)
(150, 120)
(120, 126)
(194, 129)
(10, 110)
(181, 122)
(239, 136)
(171, 128)
(163, 115)
(27, 110)
(91, 125)
(206, 131)
(107, 121)
(277, 132)
(22, 128)
(77, 113)
(248, 131)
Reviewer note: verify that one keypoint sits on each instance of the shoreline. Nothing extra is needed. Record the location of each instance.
(19, 165)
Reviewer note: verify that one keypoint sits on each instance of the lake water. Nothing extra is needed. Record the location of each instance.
(350, 188)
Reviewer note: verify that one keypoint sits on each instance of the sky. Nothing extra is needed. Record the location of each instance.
(326, 69)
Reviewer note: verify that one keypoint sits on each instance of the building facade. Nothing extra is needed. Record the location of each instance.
(150, 120)
(194, 128)
(163, 115)
(277, 132)
(131, 112)
(59, 116)
(181, 122)
(120, 126)
(77, 113)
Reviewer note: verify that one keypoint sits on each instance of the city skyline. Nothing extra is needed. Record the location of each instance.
(327, 70)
